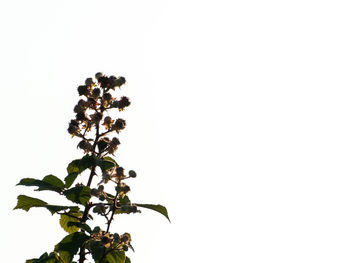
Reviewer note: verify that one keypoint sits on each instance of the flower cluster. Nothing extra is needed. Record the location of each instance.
(91, 111)
(114, 241)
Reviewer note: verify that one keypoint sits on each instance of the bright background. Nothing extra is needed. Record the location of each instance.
(239, 123)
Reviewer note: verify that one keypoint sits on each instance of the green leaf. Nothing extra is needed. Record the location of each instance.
(78, 194)
(55, 208)
(49, 182)
(158, 208)
(70, 245)
(70, 178)
(97, 250)
(111, 160)
(54, 181)
(65, 220)
(45, 258)
(115, 257)
(106, 165)
(76, 167)
(79, 225)
(127, 260)
(25, 202)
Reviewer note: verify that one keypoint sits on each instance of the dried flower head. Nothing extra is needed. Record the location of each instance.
(83, 90)
(104, 81)
(102, 144)
(96, 92)
(96, 117)
(123, 102)
(119, 125)
(107, 122)
(81, 116)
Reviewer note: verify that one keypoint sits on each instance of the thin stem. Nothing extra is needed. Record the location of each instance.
(82, 252)
(113, 210)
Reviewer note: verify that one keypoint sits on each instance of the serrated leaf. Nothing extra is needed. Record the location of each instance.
(158, 208)
(70, 245)
(115, 257)
(25, 202)
(49, 182)
(64, 220)
(78, 194)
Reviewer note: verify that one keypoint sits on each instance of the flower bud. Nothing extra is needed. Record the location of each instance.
(96, 230)
(116, 237)
(94, 192)
(125, 238)
(132, 173)
(98, 75)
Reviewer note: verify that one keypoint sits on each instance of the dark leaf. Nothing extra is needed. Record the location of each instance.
(78, 194)
(70, 245)
(45, 258)
(25, 202)
(79, 225)
(49, 182)
(76, 167)
(115, 257)
(97, 250)
(55, 208)
(158, 208)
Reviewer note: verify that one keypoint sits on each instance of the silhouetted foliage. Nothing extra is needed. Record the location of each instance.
(94, 127)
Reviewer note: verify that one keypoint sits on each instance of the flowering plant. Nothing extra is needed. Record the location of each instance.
(94, 127)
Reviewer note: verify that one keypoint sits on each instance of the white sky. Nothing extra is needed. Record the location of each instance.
(239, 123)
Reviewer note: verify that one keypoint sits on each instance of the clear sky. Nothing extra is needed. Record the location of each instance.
(239, 123)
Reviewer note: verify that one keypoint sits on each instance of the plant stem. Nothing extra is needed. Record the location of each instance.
(88, 205)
